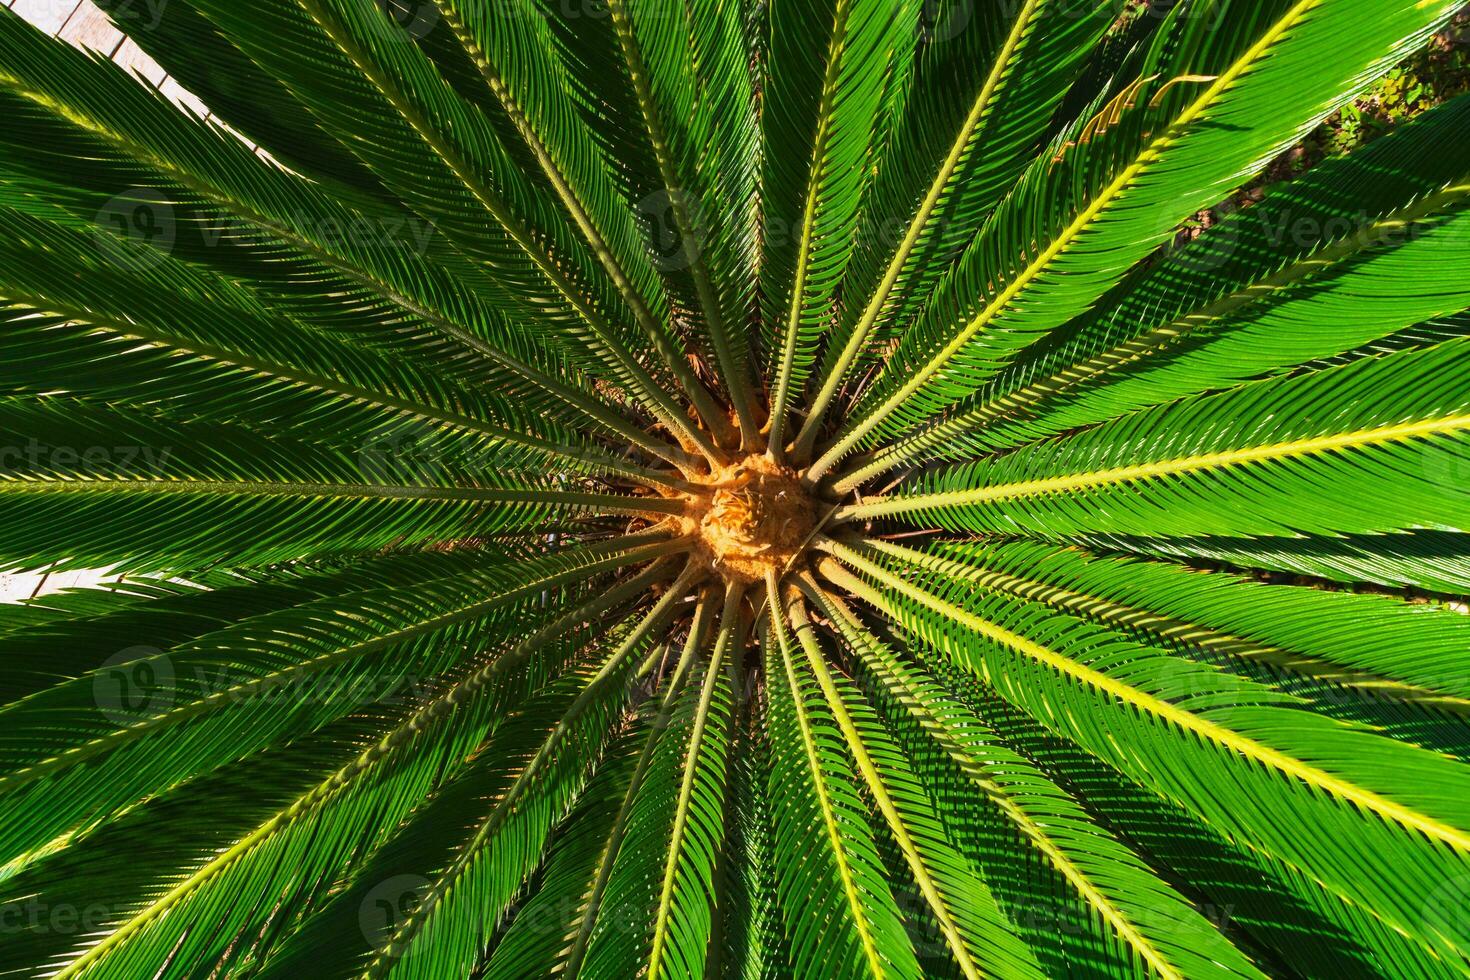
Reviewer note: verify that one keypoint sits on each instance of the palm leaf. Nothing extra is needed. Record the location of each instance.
(858, 931)
(1276, 267)
(966, 912)
(1246, 728)
(1031, 60)
(1163, 931)
(1420, 425)
(1229, 130)
(826, 108)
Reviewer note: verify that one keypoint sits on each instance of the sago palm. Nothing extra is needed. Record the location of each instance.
(702, 488)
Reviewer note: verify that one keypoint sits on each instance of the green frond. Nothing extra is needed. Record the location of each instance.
(214, 492)
(1253, 462)
(488, 868)
(978, 935)
(683, 921)
(826, 860)
(1337, 794)
(1429, 560)
(436, 151)
(1095, 209)
(237, 91)
(691, 79)
(1378, 648)
(515, 55)
(749, 944)
(535, 939)
(829, 66)
(1029, 61)
(637, 806)
(1282, 268)
(74, 753)
(1273, 911)
(58, 638)
(657, 878)
(140, 937)
(1147, 918)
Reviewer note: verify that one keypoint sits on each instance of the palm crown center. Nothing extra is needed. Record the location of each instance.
(751, 517)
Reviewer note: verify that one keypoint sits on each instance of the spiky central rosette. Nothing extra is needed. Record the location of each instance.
(751, 516)
(820, 489)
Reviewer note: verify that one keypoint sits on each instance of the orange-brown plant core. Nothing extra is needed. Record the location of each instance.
(752, 516)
